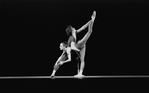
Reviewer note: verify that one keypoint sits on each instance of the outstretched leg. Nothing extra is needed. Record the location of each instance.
(84, 26)
(87, 35)
(90, 27)
(81, 44)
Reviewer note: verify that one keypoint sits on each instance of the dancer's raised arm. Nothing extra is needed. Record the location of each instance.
(60, 58)
(84, 26)
(69, 55)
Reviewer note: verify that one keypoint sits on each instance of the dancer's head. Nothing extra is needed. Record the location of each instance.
(70, 30)
(63, 46)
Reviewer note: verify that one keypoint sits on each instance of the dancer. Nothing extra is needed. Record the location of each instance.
(62, 59)
(80, 46)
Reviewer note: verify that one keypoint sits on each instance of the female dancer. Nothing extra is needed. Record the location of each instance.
(81, 44)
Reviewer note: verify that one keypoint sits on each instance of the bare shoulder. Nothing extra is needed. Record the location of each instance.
(68, 49)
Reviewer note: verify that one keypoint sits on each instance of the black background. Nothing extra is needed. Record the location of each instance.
(31, 31)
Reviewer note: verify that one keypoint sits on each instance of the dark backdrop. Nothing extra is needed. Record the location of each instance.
(31, 31)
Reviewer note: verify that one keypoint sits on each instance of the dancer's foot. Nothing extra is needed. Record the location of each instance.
(53, 73)
(79, 76)
(52, 76)
(93, 16)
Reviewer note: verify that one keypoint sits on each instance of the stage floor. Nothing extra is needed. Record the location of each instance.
(56, 77)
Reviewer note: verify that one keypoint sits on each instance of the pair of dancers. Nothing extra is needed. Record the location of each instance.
(79, 46)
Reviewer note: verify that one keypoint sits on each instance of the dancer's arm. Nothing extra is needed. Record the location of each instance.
(84, 26)
(59, 59)
(69, 55)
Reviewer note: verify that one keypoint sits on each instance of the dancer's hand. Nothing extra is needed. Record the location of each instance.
(73, 48)
(61, 62)
(77, 49)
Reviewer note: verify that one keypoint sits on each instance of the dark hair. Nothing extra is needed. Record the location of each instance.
(69, 30)
(65, 44)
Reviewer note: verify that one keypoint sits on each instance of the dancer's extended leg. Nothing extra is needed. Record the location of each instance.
(82, 45)
(87, 35)
(84, 26)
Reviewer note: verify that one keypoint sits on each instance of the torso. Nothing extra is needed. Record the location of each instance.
(71, 39)
(77, 45)
(64, 57)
